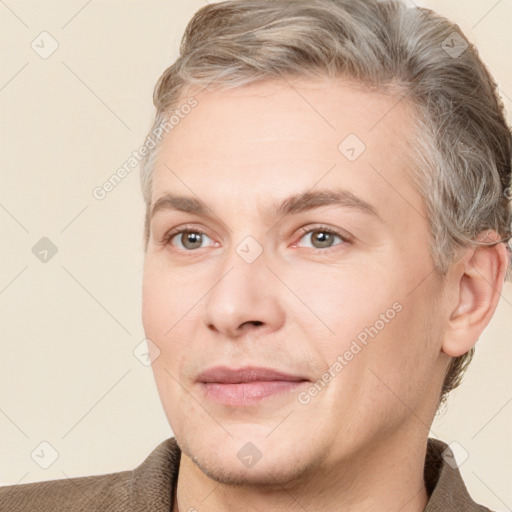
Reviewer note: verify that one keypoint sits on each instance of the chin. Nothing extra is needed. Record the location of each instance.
(229, 464)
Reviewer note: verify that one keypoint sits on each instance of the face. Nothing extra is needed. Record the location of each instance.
(294, 313)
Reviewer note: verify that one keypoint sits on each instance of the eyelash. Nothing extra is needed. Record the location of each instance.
(324, 229)
(304, 231)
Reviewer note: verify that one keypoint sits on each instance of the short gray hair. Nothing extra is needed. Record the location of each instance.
(463, 143)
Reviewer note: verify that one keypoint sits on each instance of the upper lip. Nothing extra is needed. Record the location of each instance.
(227, 375)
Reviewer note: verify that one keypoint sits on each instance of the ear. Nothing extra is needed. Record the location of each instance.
(476, 281)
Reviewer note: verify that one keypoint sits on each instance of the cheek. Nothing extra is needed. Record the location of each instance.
(154, 305)
(168, 316)
(161, 310)
(375, 323)
(161, 298)
(158, 321)
(342, 305)
(401, 357)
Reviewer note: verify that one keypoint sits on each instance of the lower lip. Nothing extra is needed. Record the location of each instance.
(248, 393)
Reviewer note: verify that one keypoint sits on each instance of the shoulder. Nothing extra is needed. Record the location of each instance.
(147, 487)
(98, 492)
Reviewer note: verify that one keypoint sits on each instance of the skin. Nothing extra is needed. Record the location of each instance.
(360, 443)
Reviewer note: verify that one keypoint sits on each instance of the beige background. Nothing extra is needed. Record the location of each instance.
(69, 326)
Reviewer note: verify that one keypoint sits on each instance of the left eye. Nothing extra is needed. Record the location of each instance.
(322, 236)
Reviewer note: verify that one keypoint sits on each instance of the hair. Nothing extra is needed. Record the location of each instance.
(461, 140)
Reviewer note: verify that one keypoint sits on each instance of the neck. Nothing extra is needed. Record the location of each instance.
(385, 477)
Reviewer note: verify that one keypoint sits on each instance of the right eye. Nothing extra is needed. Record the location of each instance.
(186, 239)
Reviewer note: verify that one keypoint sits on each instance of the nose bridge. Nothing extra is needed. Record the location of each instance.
(243, 291)
(246, 259)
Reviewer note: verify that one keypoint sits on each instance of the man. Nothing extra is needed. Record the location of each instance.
(327, 188)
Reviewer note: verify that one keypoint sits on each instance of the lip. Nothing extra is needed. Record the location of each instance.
(225, 375)
(247, 386)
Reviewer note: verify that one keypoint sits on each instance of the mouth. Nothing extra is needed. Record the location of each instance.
(247, 386)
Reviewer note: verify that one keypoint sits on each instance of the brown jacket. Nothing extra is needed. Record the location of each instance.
(150, 487)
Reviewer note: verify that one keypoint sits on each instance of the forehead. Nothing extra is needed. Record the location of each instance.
(272, 139)
(320, 110)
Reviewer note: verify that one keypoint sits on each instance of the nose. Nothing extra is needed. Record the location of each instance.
(246, 298)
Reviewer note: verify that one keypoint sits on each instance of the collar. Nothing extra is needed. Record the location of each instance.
(444, 482)
(158, 474)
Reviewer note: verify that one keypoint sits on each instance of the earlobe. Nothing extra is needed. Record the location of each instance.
(478, 277)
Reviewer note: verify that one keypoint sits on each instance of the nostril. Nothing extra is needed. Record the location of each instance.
(254, 322)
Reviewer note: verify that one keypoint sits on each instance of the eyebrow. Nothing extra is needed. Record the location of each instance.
(290, 206)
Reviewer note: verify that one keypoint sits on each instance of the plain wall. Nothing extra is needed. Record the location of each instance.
(69, 326)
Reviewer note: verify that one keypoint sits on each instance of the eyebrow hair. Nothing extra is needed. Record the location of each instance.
(292, 205)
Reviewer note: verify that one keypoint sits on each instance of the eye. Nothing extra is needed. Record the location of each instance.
(186, 238)
(322, 237)
(191, 238)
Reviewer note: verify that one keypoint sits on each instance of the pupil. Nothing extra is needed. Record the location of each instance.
(193, 238)
(325, 236)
